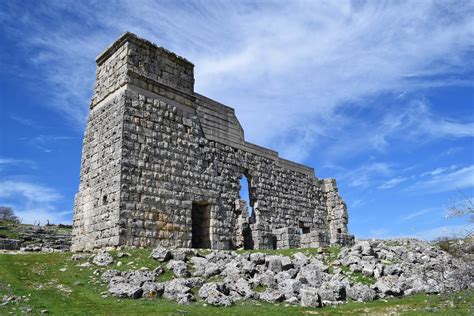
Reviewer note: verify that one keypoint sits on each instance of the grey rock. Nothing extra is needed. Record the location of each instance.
(332, 291)
(185, 298)
(215, 294)
(242, 287)
(117, 279)
(176, 287)
(108, 275)
(138, 277)
(152, 289)
(388, 286)
(282, 276)
(310, 297)
(103, 259)
(300, 259)
(272, 295)
(361, 293)
(183, 254)
(179, 268)
(125, 290)
(290, 288)
(273, 263)
(286, 263)
(312, 275)
(161, 254)
(257, 258)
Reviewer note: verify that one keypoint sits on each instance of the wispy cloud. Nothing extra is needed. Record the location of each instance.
(313, 59)
(438, 171)
(25, 121)
(391, 183)
(6, 162)
(32, 202)
(45, 143)
(462, 178)
(404, 123)
(366, 175)
(418, 213)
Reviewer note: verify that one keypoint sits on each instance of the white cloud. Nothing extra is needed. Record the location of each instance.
(32, 202)
(6, 162)
(417, 214)
(365, 175)
(462, 178)
(313, 59)
(391, 183)
(45, 143)
(404, 124)
(438, 171)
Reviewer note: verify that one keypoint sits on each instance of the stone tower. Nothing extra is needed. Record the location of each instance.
(161, 165)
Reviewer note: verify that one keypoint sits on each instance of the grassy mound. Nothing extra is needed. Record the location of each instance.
(53, 282)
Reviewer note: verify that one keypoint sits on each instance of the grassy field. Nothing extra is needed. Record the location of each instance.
(53, 282)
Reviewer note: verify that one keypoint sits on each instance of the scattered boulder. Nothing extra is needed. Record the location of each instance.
(139, 277)
(274, 263)
(103, 259)
(310, 297)
(179, 268)
(161, 254)
(361, 293)
(152, 289)
(272, 295)
(215, 294)
(125, 290)
(394, 268)
(107, 276)
(332, 291)
(176, 288)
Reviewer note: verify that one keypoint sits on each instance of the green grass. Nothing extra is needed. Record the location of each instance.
(8, 229)
(77, 291)
(357, 277)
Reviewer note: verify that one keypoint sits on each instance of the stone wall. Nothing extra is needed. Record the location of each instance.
(153, 148)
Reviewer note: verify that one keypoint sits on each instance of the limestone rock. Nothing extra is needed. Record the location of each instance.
(125, 290)
(103, 259)
(361, 293)
(161, 254)
(152, 289)
(272, 295)
(310, 297)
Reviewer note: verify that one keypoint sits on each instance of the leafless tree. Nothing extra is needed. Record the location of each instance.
(463, 208)
(6, 213)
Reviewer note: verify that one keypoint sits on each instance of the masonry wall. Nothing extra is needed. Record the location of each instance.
(154, 147)
(97, 204)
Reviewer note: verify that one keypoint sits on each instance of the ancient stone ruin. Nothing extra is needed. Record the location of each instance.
(162, 164)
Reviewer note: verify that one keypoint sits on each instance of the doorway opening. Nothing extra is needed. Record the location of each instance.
(273, 242)
(201, 224)
(304, 229)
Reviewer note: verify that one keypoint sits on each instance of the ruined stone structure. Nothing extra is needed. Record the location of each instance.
(161, 165)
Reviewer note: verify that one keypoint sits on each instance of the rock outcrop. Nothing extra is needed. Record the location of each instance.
(367, 271)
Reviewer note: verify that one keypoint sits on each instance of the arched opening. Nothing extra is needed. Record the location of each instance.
(246, 213)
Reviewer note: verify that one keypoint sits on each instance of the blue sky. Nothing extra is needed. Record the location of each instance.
(377, 94)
